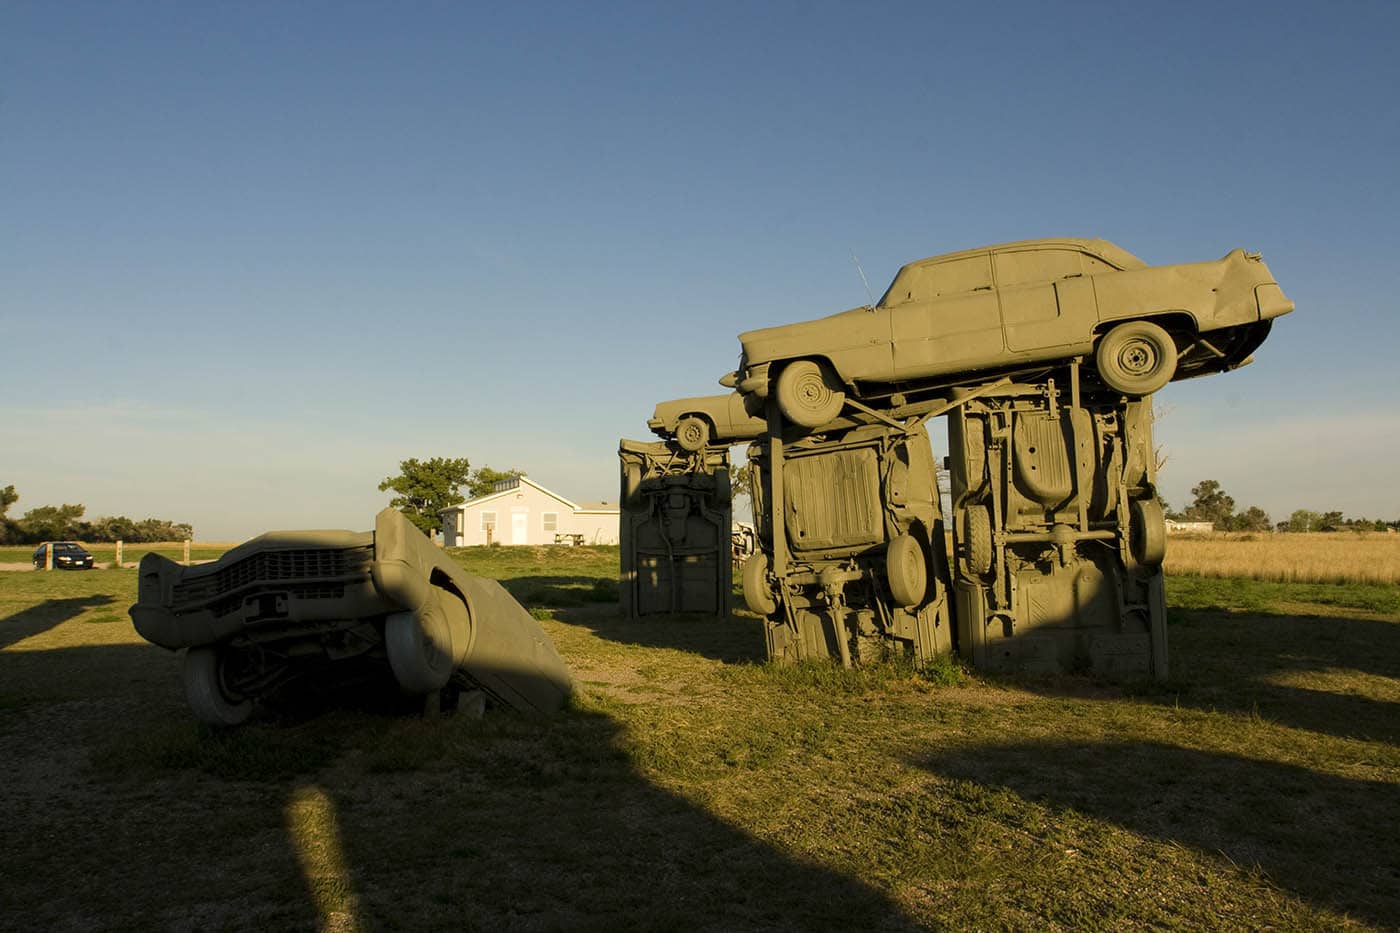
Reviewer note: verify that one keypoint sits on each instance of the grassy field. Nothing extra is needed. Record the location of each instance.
(131, 553)
(693, 787)
(1327, 557)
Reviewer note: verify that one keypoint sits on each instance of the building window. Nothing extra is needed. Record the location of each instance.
(488, 521)
(551, 520)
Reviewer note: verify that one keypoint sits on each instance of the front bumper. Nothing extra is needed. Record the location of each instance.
(751, 380)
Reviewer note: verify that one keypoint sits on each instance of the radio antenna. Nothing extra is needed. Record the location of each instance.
(868, 293)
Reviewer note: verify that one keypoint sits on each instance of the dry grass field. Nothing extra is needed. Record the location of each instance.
(1326, 557)
(691, 786)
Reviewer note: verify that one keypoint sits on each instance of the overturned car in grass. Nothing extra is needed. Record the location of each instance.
(1010, 307)
(304, 608)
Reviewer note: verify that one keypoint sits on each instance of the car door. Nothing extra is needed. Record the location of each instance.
(947, 319)
(1047, 302)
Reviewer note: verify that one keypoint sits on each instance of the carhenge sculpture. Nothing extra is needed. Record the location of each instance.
(675, 528)
(1042, 355)
(292, 609)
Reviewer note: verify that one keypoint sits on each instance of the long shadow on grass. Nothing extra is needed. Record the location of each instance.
(37, 619)
(1325, 838)
(1236, 661)
(1307, 672)
(552, 592)
(548, 824)
(732, 640)
(592, 603)
(510, 822)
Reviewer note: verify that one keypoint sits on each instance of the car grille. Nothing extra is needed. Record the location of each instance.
(321, 570)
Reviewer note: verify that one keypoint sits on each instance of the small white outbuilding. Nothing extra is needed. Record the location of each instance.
(521, 511)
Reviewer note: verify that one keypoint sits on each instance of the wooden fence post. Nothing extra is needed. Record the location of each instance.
(118, 562)
(48, 556)
(187, 552)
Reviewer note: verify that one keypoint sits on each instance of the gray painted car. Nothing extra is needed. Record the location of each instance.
(1003, 308)
(695, 423)
(308, 604)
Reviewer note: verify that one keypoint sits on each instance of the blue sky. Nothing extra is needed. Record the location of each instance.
(252, 255)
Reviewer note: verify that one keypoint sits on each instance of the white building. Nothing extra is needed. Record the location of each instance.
(521, 511)
(1175, 527)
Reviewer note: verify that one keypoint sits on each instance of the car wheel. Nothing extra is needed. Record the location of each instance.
(203, 672)
(758, 594)
(419, 649)
(1136, 358)
(692, 433)
(808, 395)
(977, 539)
(1147, 532)
(906, 569)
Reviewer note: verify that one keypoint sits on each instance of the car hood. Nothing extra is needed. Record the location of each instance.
(805, 338)
(299, 541)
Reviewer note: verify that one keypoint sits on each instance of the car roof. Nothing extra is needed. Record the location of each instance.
(1113, 253)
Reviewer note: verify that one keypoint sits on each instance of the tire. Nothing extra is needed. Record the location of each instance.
(420, 652)
(1136, 358)
(757, 593)
(693, 433)
(977, 539)
(906, 570)
(1147, 532)
(808, 395)
(202, 671)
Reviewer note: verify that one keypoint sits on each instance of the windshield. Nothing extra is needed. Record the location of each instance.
(67, 547)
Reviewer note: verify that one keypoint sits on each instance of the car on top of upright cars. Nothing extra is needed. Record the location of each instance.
(696, 423)
(1003, 308)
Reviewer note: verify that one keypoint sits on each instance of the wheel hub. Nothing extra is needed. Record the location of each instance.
(1138, 358)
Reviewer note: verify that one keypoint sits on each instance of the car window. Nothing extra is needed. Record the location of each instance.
(1027, 267)
(958, 275)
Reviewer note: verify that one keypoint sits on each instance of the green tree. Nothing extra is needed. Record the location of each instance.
(51, 522)
(1330, 521)
(9, 530)
(739, 488)
(1210, 504)
(484, 479)
(425, 487)
(1303, 520)
(1251, 519)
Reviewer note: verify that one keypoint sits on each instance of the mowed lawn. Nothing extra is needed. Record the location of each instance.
(693, 787)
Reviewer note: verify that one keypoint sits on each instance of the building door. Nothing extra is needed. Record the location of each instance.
(519, 527)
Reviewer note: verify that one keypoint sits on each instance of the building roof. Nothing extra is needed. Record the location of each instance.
(505, 487)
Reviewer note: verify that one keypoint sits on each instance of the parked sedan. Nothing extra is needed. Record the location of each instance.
(67, 555)
(997, 309)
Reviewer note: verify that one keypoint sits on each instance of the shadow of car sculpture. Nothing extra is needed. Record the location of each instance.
(1000, 309)
(293, 607)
